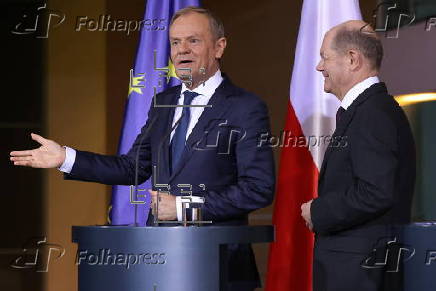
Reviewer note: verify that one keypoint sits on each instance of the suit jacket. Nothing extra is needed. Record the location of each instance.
(367, 178)
(223, 161)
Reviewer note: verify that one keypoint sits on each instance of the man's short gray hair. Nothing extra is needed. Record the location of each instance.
(363, 40)
(216, 25)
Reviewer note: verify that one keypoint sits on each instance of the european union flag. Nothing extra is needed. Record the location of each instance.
(153, 73)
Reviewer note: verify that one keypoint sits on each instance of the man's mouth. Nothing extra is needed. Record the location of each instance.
(182, 62)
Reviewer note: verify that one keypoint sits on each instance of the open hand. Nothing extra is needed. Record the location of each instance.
(49, 155)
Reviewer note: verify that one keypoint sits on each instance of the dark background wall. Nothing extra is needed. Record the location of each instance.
(72, 87)
(21, 198)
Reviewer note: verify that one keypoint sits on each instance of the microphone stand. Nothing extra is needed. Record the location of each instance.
(146, 133)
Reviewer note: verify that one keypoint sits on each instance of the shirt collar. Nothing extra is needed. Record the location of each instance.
(208, 87)
(356, 90)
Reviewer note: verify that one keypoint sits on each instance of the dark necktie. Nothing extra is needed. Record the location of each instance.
(339, 114)
(179, 138)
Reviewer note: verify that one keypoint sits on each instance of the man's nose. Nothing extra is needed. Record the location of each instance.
(319, 67)
(184, 48)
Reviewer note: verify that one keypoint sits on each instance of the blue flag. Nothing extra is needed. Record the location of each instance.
(153, 72)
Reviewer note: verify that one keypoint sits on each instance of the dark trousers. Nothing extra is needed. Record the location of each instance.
(342, 271)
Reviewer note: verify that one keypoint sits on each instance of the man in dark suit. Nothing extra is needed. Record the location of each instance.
(214, 149)
(366, 184)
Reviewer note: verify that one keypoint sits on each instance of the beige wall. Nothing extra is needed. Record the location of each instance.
(76, 116)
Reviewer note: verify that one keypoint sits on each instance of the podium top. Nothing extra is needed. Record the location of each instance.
(210, 234)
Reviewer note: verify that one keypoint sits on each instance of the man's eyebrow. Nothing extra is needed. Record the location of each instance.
(187, 37)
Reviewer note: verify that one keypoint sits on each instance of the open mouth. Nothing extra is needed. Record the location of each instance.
(185, 62)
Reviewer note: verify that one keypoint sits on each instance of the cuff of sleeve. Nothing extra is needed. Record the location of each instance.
(179, 208)
(70, 158)
(314, 214)
(318, 215)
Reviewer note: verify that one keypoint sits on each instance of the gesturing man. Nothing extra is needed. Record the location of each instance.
(366, 186)
(237, 174)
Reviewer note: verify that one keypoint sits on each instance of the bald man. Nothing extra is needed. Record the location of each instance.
(365, 187)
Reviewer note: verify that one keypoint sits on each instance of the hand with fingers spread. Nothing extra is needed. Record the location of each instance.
(49, 155)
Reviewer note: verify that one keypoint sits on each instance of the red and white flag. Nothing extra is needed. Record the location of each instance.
(311, 117)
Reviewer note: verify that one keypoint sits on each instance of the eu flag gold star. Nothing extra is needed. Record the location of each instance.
(134, 84)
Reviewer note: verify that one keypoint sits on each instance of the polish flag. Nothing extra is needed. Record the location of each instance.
(311, 115)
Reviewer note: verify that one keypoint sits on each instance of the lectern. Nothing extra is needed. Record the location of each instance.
(418, 256)
(119, 258)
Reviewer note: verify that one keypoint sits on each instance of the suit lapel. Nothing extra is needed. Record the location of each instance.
(343, 124)
(339, 131)
(217, 109)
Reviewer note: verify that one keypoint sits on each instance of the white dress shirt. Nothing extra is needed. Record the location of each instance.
(356, 90)
(205, 91)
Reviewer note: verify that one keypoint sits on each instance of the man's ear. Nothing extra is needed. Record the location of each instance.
(220, 46)
(355, 59)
